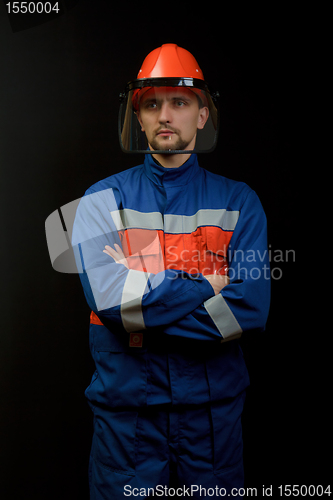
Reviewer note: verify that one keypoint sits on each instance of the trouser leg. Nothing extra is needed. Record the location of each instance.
(130, 452)
(210, 449)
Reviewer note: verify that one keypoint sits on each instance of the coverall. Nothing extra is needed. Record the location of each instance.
(170, 379)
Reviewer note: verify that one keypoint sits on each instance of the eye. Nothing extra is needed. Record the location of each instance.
(180, 103)
(150, 105)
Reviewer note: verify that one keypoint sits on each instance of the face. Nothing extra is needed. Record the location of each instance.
(170, 117)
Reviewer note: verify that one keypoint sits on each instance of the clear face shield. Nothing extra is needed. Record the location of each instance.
(168, 116)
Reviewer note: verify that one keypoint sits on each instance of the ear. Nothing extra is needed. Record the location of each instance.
(203, 117)
(139, 120)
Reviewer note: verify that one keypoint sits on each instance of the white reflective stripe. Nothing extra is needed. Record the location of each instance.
(222, 316)
(117, 220)
(175, 224)
(130, 219)
(130, 309)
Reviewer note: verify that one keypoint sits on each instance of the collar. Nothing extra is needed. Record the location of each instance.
(178, 176)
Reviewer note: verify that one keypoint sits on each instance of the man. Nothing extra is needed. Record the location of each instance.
(174, 265)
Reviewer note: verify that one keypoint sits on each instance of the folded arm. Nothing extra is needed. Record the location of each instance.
(206, 308)
(132, 298)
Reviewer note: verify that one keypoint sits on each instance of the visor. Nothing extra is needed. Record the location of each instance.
(168, 116)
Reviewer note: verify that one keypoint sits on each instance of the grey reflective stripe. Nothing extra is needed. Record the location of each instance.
(130, 219)
(179, 224)
(222, 316)
(130, 309)
(175, 224)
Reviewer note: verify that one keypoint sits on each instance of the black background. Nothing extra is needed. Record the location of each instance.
(59, 87)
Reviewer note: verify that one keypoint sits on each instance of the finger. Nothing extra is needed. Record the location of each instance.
(108, 253)
(118, 257)
(109, 248)
(119, 250)
(112, 251)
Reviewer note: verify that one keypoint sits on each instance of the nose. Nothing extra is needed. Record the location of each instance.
(165, 115)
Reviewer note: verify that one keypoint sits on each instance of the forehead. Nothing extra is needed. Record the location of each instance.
(167, 93)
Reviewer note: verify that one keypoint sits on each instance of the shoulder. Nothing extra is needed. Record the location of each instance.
(109, 190)
(116, 180)
(225, 182)
(235, 191)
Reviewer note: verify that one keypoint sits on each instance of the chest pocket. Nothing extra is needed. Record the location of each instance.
(207, 249)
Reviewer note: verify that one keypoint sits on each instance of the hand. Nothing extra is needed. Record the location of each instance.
(217, 281)
(117, 254)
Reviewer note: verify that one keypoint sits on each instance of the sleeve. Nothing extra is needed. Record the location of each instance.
(132, 298)
(243, 304)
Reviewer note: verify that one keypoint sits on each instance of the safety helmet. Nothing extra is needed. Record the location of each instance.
(168, 74)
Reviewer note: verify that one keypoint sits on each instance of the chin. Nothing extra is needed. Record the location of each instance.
(178, 144)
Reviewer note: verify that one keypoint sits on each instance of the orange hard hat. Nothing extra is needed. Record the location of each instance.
(168, 61)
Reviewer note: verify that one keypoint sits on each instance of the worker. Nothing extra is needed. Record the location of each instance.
(174, 265)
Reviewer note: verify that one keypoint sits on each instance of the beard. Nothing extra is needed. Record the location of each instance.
(180, 144)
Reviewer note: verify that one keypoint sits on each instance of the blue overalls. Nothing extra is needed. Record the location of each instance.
(170, 380)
